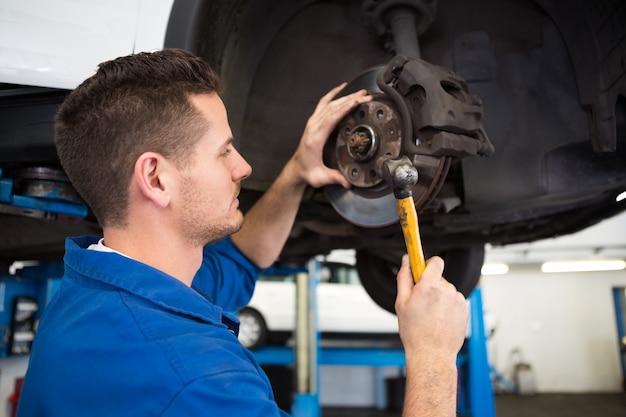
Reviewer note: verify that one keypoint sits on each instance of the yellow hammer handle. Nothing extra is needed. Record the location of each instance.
(410, 229)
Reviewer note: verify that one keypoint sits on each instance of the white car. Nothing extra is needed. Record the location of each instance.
(344, 309)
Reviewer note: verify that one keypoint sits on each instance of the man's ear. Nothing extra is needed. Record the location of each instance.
(151, 178)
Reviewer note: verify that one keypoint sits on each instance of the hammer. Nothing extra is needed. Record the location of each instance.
(401, 174)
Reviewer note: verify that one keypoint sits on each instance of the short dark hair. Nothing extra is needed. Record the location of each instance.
(133, 104)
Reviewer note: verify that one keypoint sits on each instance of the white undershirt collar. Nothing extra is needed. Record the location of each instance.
(100, 247)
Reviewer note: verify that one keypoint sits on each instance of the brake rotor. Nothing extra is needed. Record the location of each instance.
(372, 130)
(47, 183)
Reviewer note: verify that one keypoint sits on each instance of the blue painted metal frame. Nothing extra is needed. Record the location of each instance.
(40, 282)
(50, 203)
(476, 382)
(306, 405)
(476, 396)
(619, 302)
(345, 356)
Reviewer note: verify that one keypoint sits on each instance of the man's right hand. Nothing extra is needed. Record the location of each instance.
(432, 314)
(432, 317)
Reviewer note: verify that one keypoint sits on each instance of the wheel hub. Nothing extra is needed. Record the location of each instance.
(365, 135)
(419, 110)
(371, 131)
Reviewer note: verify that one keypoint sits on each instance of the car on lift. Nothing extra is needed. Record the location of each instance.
(512, 111)
(344, 309)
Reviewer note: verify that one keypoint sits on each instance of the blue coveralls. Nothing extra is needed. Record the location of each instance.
(121, 338)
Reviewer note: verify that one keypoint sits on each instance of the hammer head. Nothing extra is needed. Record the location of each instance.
(400, 173)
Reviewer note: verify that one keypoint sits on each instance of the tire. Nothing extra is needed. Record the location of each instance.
(378, 275)
(252, 329)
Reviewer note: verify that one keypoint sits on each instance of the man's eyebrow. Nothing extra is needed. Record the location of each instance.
(225, 144)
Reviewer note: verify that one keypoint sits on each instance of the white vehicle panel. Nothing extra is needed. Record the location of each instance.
(276, 301)
(346, 308)
(152, 23)
(60, 43)
(341, 308)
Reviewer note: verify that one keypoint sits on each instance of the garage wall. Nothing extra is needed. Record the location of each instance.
(564, 325)
(355, 386)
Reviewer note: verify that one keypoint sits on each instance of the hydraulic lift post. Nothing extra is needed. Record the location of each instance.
(306, 399)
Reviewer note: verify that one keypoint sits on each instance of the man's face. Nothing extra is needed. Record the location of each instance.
(209, 189)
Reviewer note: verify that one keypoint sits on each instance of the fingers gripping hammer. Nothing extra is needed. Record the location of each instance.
(401, 174)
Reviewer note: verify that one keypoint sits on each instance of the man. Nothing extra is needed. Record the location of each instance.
(139, 325)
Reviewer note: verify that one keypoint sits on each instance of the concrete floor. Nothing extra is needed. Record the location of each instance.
(541, 405)
(561, 405)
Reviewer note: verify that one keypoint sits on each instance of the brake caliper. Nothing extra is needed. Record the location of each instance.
(440, 117)
(420, 110)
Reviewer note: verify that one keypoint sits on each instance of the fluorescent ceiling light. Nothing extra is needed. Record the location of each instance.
(621, 196)
(584, 266)
(495, 268)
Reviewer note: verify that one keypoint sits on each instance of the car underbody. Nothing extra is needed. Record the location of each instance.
(542, 83)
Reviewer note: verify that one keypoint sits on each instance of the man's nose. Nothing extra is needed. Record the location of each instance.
(242, 169)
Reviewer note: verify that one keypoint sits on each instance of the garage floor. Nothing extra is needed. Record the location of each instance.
(541, 405)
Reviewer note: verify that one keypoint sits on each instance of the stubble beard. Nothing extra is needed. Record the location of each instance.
(201, 233)
(198, 231)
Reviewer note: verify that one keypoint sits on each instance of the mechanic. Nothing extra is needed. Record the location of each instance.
(139, 325)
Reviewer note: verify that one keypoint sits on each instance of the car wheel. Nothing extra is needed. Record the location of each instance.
(252, 328)
(378, 275)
